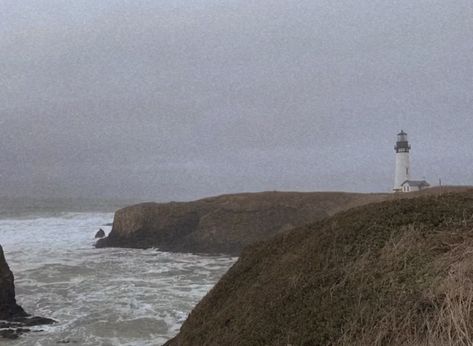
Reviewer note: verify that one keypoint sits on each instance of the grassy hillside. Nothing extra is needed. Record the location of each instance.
(394, 273)
(225, 224)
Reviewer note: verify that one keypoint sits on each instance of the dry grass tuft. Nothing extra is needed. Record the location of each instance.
(444, 313)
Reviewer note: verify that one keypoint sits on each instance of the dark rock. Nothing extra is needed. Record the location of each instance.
(13, 334)
(33, 321)
(100, 234)
(9, 309)
(13, 317)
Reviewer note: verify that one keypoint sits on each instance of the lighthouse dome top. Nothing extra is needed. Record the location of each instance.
(402, 136)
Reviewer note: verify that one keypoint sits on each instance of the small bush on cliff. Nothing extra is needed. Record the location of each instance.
(393, 273)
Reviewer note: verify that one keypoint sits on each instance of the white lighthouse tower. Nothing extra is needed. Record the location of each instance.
(402, 149)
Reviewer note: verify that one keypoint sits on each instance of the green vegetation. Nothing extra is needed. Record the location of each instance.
(398, 272)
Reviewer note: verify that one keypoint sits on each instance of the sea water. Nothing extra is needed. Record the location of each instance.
(100, 296)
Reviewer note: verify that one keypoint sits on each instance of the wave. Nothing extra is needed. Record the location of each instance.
(101, 296)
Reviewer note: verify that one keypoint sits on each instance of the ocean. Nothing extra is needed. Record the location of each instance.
(100, 296)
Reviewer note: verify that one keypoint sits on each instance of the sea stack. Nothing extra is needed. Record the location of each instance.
(14, 318)
(8, 307)
(100, 234)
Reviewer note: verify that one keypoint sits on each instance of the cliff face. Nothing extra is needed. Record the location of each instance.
(13, 319)
(8, 307)
(392, 273)
(228, 223)
(224, 224)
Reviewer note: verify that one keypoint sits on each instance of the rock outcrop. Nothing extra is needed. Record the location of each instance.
(224, 224)
(9, 309)
(392, 273)
(14, 318)
(228, 223)
(100, 234)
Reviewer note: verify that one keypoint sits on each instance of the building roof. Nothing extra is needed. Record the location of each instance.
(419, 183)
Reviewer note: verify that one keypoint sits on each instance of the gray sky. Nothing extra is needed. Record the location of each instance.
(173, 100)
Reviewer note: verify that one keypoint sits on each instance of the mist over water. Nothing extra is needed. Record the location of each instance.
(100, 296)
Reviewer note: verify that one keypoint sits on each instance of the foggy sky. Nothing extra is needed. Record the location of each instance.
(175, 100)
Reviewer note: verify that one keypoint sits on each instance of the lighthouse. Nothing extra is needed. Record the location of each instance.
(402, 149)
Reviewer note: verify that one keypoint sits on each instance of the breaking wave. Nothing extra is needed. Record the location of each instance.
(101, 296)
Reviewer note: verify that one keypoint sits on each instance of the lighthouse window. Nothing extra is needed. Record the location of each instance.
(407, 171)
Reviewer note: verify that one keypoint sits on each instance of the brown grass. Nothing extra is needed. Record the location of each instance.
(392, 273)
(443, 315)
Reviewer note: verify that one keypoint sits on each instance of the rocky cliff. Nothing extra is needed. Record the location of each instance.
(392, 273)
(224, 224)
(14, 318)
(8, 307)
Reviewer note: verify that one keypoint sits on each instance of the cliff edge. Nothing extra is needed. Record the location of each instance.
(224, 224)
(392, 273)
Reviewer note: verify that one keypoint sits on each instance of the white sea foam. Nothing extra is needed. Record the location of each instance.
(100, 296)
